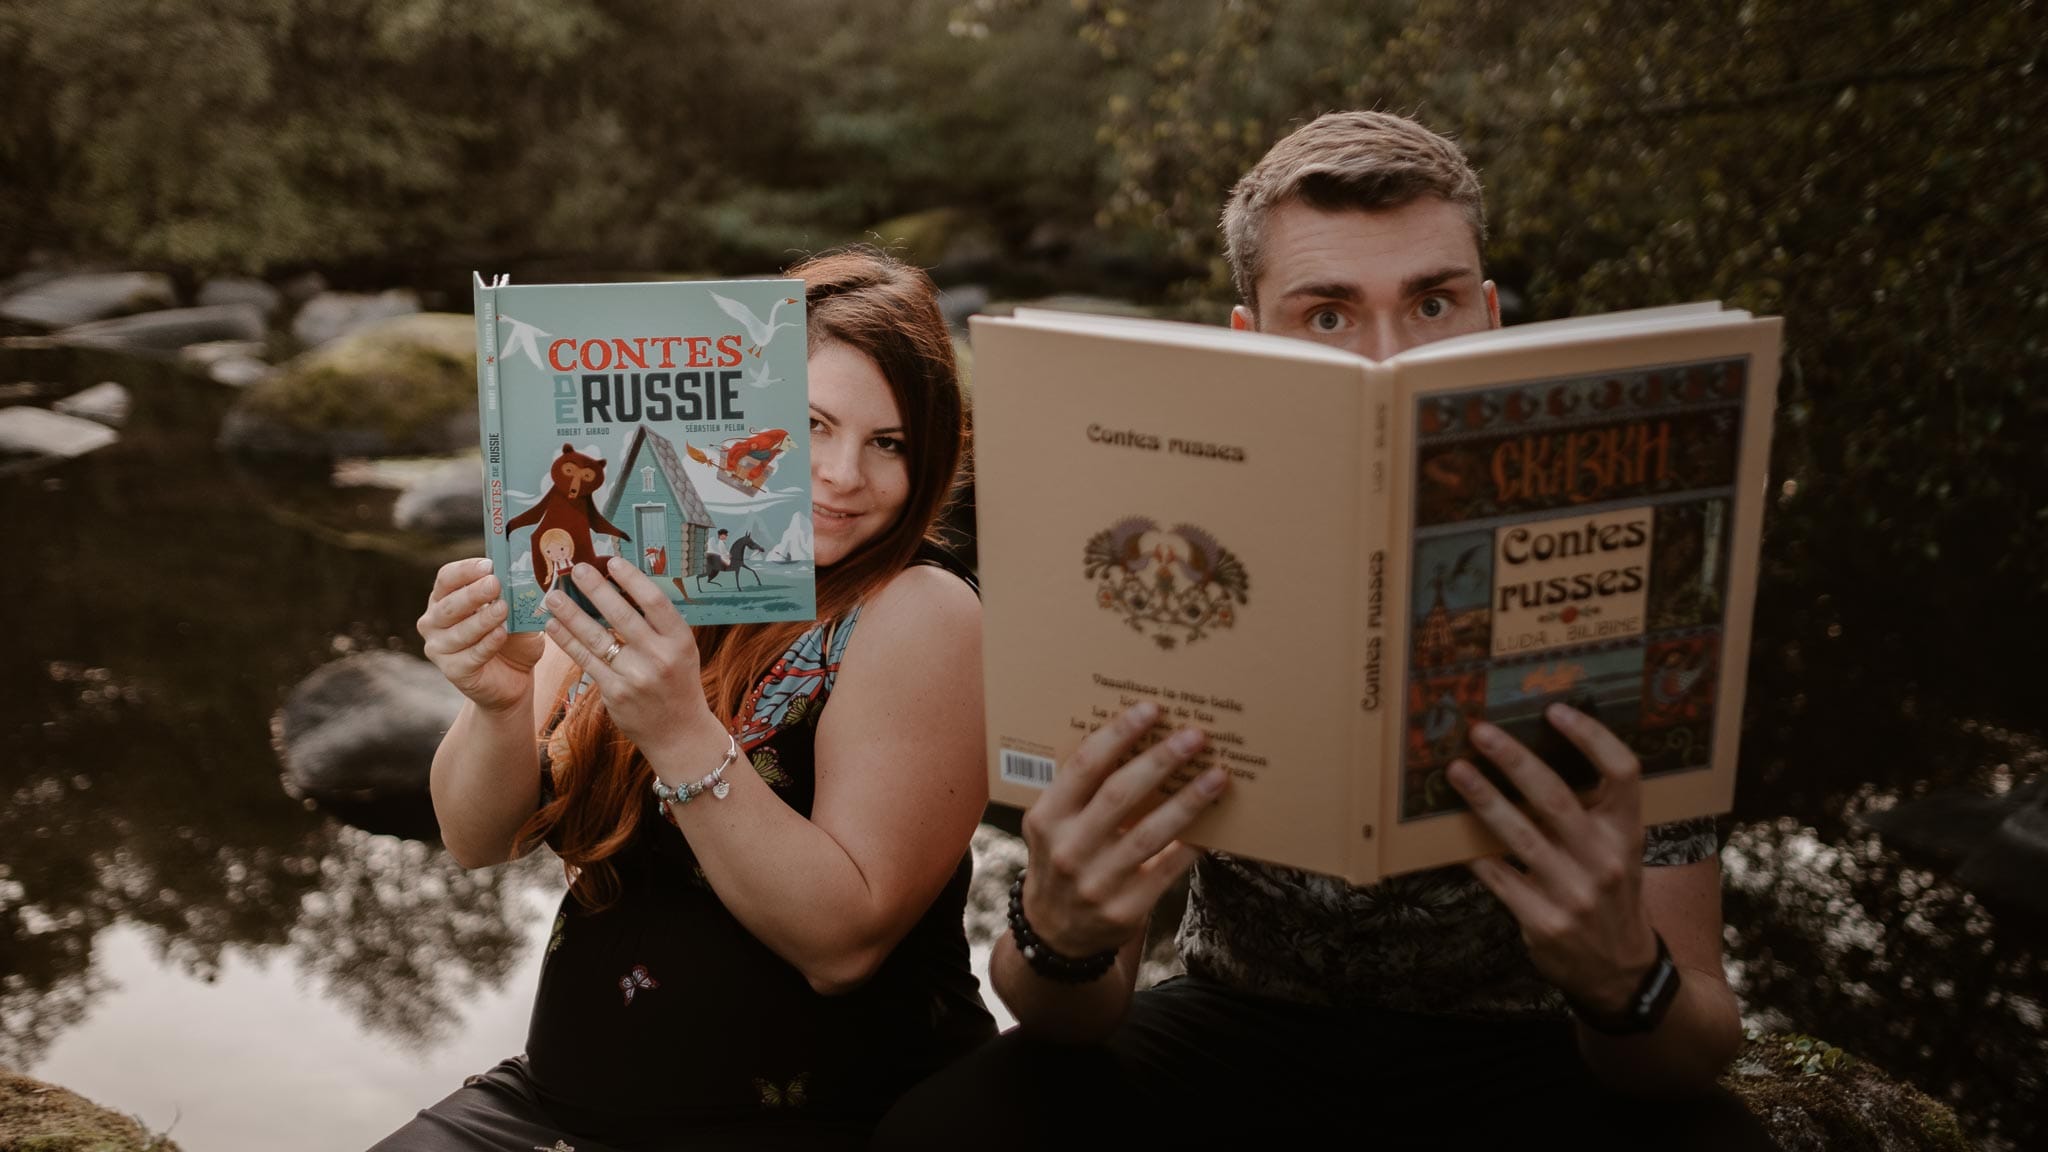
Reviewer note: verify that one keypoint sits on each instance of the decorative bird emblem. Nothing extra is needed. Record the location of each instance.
(634, 981)
(522, 340)
(774, 1095)
(758, 330)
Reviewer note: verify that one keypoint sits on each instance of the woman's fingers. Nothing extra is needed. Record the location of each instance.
(468, 631)
(456, 574)
(654, 607)
(624, 619)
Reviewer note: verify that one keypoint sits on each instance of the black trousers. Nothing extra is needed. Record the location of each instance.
(502, 1111)
(1196, 1065)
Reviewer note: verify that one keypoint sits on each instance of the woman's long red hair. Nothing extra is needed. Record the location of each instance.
(887, 310)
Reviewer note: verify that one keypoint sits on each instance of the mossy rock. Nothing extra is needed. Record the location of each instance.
(404, 386)
(949, 241)
(1812, 1095)
(39, 1117)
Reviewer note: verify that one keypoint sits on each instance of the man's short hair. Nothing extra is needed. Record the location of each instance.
(1367, 161)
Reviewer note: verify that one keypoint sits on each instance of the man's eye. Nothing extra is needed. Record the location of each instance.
(1325, 320)
(1434, 307)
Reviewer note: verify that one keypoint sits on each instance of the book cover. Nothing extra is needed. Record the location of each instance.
(1336, 566)
(664, 422)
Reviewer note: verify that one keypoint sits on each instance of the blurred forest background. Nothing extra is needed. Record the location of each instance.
(1875, 173)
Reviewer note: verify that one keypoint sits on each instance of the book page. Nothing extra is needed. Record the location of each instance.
(1167, 521)
(1580, 523)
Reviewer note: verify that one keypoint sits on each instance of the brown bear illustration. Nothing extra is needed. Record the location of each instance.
(569, 506)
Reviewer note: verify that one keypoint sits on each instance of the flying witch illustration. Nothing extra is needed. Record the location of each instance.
(744, 463)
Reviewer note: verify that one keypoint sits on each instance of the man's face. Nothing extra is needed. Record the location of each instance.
(1373, 283)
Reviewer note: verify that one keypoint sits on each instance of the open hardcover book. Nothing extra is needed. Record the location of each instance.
(1336, 566)
(668, 423)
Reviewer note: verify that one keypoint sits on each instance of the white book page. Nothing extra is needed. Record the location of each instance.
(1551, 333)
(1181, 334)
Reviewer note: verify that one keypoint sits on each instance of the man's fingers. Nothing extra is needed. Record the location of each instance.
(1503, 819)
(1621, 774)
(1161, 828)
(1548, 796)
(1134, 785)
(1153, 878)
(1528, 905)
(1099, 755)
(457, 573)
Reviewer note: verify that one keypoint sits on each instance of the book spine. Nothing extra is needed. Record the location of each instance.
(491, 429)
(1373, 661)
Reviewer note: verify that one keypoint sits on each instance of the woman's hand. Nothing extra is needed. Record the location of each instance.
(1578, 896)
(651, 684)
(464, 627)
(1093, 873)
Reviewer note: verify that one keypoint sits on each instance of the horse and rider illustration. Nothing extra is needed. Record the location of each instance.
(720, 558)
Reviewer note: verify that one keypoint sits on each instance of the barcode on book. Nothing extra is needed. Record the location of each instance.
(1024, 768)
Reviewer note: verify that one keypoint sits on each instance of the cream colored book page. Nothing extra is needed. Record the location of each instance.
(1519, 649)
(1172, 524)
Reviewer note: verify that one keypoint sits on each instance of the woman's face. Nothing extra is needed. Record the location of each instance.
(860, 478)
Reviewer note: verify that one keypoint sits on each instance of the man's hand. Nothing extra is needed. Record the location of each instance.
(1578, 894)
(1093, 875)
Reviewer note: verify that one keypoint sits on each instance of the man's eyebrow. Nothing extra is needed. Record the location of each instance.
(1322, 290)
(1416, 285)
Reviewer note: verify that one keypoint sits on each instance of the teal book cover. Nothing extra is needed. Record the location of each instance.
(668, 423)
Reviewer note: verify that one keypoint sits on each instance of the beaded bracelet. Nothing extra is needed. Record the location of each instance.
(714, 782)
(1045, 961)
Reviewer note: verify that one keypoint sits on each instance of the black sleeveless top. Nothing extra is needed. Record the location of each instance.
(663, 1009)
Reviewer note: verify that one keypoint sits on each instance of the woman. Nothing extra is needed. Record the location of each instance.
(769, 962)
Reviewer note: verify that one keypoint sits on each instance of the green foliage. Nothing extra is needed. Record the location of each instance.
(1871, 173)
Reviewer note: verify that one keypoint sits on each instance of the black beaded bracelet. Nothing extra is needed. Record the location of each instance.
(1045, 961)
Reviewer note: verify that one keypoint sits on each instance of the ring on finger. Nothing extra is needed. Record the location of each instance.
(612, 651)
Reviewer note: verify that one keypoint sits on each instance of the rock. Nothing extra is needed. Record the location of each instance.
(402, 387)
(952, 243)
(83, 297)
(303, 287)
(169, 330)
(1812, 1096)
(1995, 846)
(958, 303)
(207, 353)
(103, 403)
(448, 501)
(364, 727)
(32, 436)
(45, 1118)
(238, 371)
(242, 290)
(332, 315)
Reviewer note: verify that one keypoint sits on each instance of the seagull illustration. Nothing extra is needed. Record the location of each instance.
(522, 340)
(759, 377)
(758, 330)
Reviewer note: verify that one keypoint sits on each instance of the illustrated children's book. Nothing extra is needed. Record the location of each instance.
(667, 423)
(1337, 566)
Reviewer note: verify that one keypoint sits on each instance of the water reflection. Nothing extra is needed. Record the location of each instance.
(1843, 938)
(163, 600)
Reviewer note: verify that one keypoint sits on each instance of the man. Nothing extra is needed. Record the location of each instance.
(1556, 994)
